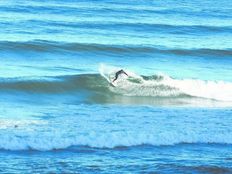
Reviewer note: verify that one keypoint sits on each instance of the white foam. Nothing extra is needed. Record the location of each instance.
(217, 90)
(108, 140)
(166, 86)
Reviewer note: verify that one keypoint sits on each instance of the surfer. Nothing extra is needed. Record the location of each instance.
(118, 73)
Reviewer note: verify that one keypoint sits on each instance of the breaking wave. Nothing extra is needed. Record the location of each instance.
(165, 86)
(160, 85)
(108, 140)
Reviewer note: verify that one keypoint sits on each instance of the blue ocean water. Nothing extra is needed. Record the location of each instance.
(60, 114)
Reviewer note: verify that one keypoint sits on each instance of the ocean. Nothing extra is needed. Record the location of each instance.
(61, 113)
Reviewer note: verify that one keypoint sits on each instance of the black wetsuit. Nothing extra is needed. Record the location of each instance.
(118, 73)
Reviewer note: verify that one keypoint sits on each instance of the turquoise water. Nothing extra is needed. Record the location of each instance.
(59, 113)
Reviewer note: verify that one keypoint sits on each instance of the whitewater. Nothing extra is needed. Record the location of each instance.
(165, 86)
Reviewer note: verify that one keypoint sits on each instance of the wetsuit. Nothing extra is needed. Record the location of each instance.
(118, 73)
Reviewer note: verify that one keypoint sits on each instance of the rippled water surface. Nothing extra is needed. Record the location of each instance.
(59, 112)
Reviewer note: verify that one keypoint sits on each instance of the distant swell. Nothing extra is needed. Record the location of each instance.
(46, 46)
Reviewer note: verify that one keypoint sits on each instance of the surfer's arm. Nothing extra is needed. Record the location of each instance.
(125, 73)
